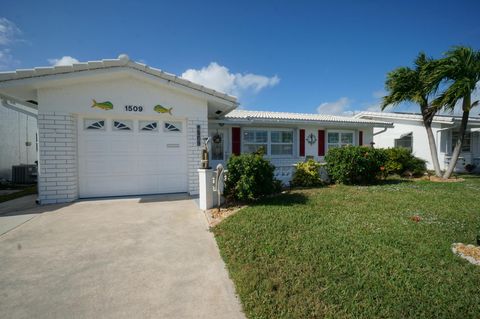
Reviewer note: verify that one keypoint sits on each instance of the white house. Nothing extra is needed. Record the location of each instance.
(18, 132)
(117, 127)
(408, 131)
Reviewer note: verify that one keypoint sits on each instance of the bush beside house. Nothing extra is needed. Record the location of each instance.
(401, 161)
(355, 164)
(250, 177)
(307, 174)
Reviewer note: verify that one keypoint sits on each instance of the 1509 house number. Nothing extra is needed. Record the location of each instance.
(133, 108)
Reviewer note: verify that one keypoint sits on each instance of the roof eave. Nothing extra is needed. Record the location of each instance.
(305, 122)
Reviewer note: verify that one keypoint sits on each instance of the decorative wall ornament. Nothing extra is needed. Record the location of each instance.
(311, 139)
(161, 109)
(107, 105)
(217, 138)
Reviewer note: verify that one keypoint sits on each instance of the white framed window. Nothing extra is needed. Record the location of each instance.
(467, 141)
(172, 126)
(122, 125)
(148, 126)
(275, 142)
(339, 139)
(94, 124)
(281, 142)
(255, 139)
(405, 141)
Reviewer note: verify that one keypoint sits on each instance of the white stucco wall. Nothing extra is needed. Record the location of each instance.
(15, 130)
(75, 100)
(420, 146)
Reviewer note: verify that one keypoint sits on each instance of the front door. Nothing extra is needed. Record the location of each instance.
(217, 148)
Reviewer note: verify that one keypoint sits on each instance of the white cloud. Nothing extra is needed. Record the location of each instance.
(338, 107)
(220, 78)
(65, 60)
(8, 31)
(7, 60)
(344, 105)
(379, 94)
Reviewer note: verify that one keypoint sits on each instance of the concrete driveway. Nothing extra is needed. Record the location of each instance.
(125, 258)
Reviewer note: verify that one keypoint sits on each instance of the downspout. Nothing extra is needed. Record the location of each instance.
(381, 131)
(441, 130)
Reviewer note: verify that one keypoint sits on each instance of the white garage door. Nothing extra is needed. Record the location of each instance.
(131, 157)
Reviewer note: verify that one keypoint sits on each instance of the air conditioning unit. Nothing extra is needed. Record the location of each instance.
(24, 174)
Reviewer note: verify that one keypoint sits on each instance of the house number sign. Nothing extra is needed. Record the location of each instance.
(133, 108)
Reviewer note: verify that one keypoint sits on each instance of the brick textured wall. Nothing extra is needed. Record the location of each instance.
(58, 177)
(194, 151)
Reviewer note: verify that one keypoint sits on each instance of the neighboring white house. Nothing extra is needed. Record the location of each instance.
(409, 132)
(117, 127)
(18, 137)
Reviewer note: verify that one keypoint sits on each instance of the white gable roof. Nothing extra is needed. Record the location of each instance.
(244, 115)
(122, 62)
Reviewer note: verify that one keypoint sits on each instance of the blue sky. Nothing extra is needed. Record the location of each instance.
(275, 55)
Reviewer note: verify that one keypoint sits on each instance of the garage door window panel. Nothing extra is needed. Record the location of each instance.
(172, 127)
(94, 124)
(122, 125)
(148, 126)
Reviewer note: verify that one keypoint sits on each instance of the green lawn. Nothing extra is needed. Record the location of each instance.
(23, 191)
(354, 252)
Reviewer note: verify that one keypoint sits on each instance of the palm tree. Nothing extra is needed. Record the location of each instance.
(405, 84)
(459, 72)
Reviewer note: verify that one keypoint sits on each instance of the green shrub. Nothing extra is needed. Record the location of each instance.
(307, 174)
(355, 164)
(249, 177)
(401, 161)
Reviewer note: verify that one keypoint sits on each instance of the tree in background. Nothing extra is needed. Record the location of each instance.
(458, 72)
(405, 84)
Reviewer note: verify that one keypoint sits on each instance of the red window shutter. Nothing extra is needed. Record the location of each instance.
(321, 143)
(236, 140)
(360, 138)
(302, 143)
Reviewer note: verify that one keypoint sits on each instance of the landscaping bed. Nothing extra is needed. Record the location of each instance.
(9, 192)
(382, 251)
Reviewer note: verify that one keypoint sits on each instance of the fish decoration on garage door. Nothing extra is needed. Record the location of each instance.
(107, 105)
(160, 109)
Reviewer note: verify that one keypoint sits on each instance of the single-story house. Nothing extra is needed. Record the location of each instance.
(117, 127)
(408, 131)
(18, 143)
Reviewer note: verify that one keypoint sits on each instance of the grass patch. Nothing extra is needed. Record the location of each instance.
(355, 252)
(29, 190)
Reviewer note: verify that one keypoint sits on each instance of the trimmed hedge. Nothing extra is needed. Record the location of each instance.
(355, 164)
(250, 177)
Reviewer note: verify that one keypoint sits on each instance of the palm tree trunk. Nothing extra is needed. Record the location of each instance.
(461, 136)
(428, 114)
(433, 149)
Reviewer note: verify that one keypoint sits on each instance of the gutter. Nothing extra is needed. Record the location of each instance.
(30, 110)
(300, 122)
